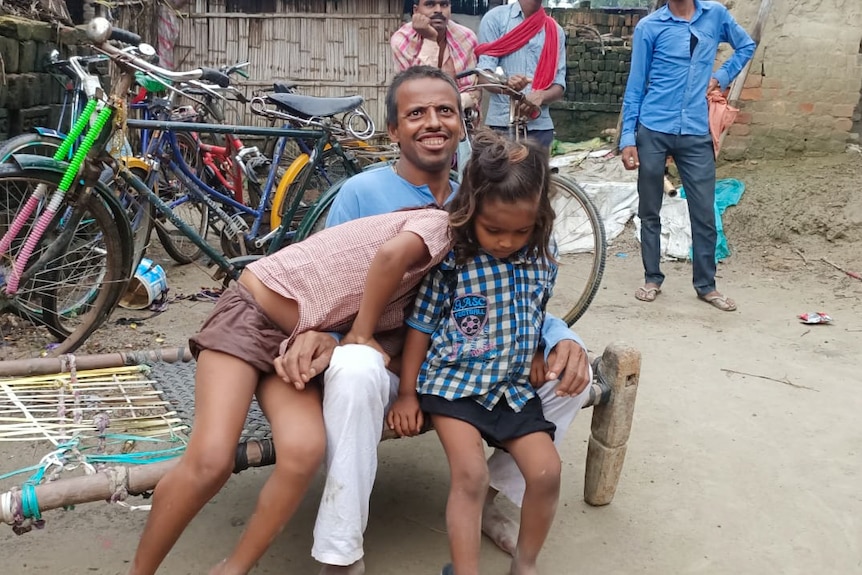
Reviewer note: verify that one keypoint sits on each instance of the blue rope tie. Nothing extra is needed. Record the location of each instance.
(29, 504)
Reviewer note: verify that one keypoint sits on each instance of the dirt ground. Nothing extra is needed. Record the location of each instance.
(744, 457)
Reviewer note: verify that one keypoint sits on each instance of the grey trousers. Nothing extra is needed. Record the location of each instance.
(695, 158)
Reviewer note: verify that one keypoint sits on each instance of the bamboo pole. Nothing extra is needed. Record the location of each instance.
(46, 365)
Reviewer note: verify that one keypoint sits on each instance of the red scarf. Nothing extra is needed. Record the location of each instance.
(517, 38)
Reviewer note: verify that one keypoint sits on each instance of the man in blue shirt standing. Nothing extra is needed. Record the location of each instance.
(665, 114)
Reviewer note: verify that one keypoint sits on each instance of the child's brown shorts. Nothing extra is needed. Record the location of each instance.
(238, 327)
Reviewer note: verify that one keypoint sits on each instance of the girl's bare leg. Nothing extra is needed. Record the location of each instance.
(468, 472)
(224, 387)
(539, 462)
(296, 418)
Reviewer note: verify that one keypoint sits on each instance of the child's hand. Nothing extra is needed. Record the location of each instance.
(538, 370)
(405, 417)
(369, 341)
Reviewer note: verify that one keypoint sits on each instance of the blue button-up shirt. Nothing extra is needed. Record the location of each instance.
(497, 22)
(666, 90)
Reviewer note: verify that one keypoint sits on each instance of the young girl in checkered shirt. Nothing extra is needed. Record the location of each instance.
(473, 334)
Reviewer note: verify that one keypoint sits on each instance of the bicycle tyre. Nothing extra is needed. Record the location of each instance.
(192, 211)
(138, 210)
(587, 264)
(75, 291)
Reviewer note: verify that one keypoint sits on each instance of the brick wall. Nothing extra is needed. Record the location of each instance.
(803, 87)
(29, 96)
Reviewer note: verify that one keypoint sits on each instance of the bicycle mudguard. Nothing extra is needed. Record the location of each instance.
(283, 184)
(49, 132)
(30, 162)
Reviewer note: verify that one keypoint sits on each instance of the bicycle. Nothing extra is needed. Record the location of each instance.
(45, 141)
(35, 237)
(578, 222)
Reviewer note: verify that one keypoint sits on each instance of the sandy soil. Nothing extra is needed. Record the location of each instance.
(725, 472)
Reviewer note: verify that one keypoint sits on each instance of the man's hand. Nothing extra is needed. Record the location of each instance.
(405, 417)
(531, 105)
(713, 85)
(630, 158)
(308, 356)
(518, 82)
(369, 341)
(568, 362)
(422, 25)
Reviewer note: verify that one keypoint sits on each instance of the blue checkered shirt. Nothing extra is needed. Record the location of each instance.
(485, 320)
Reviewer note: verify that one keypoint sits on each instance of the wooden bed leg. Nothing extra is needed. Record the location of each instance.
(612, 423)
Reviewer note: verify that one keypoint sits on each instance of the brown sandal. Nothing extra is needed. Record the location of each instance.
(719, 301)
(644, 293)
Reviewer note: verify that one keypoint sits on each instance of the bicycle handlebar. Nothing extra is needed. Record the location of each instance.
(125, 36)
(99, 31)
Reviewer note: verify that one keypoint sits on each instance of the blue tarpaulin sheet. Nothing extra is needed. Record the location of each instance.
(727, 193)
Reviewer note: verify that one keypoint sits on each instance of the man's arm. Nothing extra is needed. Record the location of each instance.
(743, 49)
(489, 30)
(636, 85)
(406, 44)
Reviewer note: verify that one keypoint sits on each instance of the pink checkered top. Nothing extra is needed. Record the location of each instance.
(325, 273)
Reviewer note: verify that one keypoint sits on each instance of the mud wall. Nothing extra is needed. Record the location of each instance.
(803, 87)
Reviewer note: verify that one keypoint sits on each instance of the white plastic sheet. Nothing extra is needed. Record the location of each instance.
(613, 191)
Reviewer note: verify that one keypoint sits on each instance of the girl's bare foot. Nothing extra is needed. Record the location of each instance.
(222, 569)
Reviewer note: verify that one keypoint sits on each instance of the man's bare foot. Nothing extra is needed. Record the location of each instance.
(499, 528)
(523, 569)
(357, 568)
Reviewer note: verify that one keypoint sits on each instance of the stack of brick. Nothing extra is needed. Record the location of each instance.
(29, 96)
(619, 23)
(597, 74)
(597, 71)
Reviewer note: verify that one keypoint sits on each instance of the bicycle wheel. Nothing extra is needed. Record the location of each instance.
(307, 187)
(78, 269)
(185, 206)
(138, 209)
(580, 236)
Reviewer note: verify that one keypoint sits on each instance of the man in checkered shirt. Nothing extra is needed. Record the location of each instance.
(424, 118)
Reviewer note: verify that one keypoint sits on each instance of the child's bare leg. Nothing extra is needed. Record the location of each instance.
(296, 418)
(539, 462)
(469, 484)
(224, 387)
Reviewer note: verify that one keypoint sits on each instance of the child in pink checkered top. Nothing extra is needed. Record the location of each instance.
(315, 284)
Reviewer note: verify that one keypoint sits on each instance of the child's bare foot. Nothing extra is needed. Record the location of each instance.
(499, 528)
(223, 569)
(357, 568)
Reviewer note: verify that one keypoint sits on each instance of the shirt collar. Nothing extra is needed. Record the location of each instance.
(664, 12)
(515, 10)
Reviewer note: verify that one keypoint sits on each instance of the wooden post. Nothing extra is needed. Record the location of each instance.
(612, 422)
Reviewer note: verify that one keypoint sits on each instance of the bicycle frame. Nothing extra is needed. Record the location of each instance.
(200, 189)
